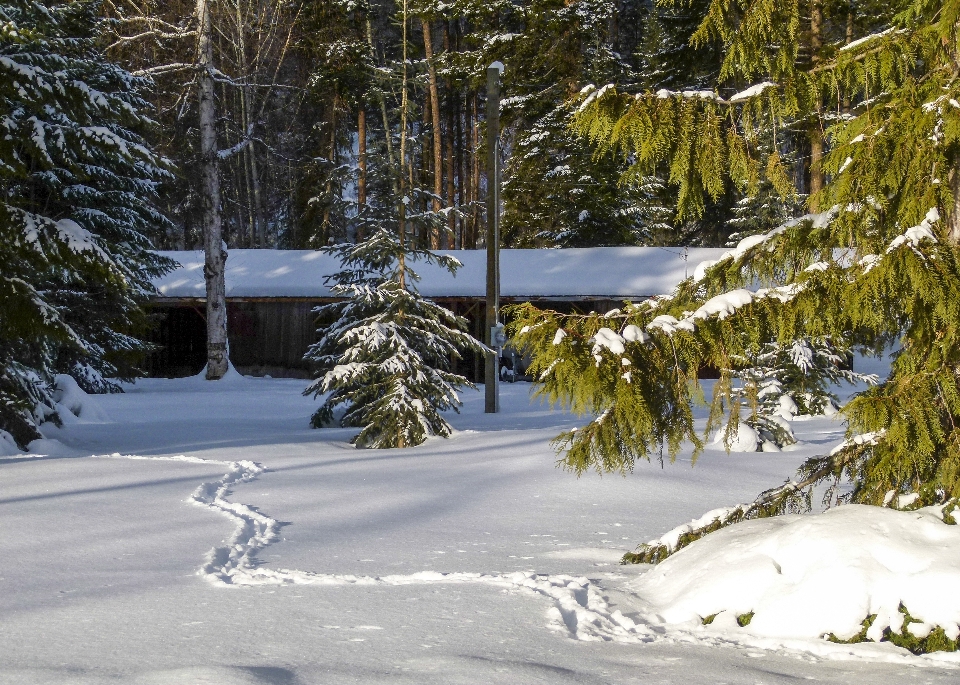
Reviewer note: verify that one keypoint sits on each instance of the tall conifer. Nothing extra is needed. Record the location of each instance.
(878, 259)
(78, 186)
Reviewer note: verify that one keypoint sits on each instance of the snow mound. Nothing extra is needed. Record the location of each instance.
(221, 675)
(231, 378)
(50, 447)
(8, 446)
(74, 403)
(746, 439)
(807, 576)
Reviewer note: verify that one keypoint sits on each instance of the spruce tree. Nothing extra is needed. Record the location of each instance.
(778, 382)
(79, 184)
(557, 194)
(878, 258)
(386, 357)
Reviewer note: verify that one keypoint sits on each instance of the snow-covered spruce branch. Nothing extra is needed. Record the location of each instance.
(792, 496)
(591, 94)
(726, 304)
(585, 362)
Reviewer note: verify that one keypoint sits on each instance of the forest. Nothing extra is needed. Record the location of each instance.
(818, 140)
(132, 126)
(327, 111)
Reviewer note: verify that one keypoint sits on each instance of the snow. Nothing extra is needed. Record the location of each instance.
(72, 401)
(807, 576)
(633, 333)
(853, 45)
(79, 239)
(671, 539)
(601, 272)
(201, 532)
(915, 234)
(817, 220)
(724, 305)
(590, 90)
(752, 91)
(610, 340)
(742, 438)
(721, 307)
(664, 93)
(8, 446)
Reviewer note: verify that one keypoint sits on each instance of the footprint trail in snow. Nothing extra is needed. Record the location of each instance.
(579, 608)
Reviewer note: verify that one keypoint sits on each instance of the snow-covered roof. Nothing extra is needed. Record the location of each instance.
(599, 272)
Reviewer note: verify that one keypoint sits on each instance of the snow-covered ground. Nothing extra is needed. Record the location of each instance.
(218, 539)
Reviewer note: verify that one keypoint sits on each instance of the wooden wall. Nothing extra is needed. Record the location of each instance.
(266, 338)
(270, 337)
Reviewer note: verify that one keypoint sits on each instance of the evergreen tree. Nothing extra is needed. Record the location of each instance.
(387, 356)
(763, 208)
(879, 258)
(666, 58)
(779, 382)
(79, 185)
(557, 194)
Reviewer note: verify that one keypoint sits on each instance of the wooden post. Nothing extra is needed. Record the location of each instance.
(492, 375)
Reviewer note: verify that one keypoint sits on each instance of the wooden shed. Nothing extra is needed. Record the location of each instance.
(271, 295)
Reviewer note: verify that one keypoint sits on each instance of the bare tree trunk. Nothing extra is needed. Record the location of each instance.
(383, 114)
(475, 192)
(326, 232)
(247, 173)
(215, 254)
(466, 188)
(403, 152)
(437, 135)
(470, 112)
(362, 165)
(451, 239)
(816, 134)
(246, 154)
(238, 174)
(953, 227)
(255, 178)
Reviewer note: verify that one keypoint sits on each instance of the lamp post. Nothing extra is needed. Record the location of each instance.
(494, 328)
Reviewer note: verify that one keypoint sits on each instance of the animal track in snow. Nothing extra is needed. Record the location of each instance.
(579, 608)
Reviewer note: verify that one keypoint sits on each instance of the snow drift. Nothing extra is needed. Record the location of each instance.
(809, 576)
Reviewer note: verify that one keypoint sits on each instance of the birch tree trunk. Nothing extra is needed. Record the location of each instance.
(215, 254)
